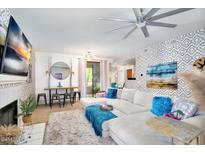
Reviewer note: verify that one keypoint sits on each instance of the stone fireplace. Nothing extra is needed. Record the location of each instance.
(8, 114)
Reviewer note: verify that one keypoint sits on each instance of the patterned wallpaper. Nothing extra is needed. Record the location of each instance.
(12, 91)
(184, 49)
(5, 15)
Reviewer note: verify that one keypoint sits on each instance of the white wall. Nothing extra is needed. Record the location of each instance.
(42, 63)
(119, 73)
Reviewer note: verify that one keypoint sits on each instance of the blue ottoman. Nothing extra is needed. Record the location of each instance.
(97, 116)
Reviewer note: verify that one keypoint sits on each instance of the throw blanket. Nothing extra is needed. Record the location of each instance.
(97, 116)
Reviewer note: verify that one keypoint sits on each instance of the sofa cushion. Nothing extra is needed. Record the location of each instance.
(198, 121)
(188, 108)
(143, 99)
(126, 107)
(161, 105)
(91, 101)
(128, 94)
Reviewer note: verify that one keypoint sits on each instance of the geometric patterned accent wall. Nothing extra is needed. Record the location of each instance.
(5, 15)
(184, 49)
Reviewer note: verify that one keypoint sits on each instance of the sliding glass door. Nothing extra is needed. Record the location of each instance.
(92, 78)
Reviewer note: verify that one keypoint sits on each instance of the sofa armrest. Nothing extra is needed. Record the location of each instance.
(198, 121)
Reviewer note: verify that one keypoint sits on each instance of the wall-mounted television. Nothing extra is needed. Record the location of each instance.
(17, 51)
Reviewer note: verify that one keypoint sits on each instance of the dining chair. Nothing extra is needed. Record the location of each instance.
(69, 95)
(58, 96)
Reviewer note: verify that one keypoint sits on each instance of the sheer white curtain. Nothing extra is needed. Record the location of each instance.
(82, 76)
(104, 75)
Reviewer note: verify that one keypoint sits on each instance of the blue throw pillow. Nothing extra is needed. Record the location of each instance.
(161, 105)
(111, 93)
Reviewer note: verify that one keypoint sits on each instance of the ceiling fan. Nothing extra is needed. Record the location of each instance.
(143, 20)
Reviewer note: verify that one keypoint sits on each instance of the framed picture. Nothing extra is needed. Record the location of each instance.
(162, 76)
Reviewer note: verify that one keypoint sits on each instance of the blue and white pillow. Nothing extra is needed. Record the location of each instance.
(111, 93)
(186, 107)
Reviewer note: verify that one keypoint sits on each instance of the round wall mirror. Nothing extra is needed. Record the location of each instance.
(60, 70)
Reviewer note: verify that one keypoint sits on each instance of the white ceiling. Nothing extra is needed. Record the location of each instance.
(76, 31)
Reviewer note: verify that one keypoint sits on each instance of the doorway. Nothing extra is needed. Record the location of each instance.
(92, 78)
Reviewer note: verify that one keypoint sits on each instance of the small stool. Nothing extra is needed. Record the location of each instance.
(79, 94)
(42, 95)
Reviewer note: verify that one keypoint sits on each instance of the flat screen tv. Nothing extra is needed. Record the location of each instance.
(17, 51)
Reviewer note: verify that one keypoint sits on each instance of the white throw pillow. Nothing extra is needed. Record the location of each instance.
(128, 94)
(188, 108)
(143, 99)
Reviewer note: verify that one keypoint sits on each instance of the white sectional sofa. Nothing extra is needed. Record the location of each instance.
(133, 110)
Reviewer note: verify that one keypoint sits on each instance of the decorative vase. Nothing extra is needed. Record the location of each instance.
(27, 119)
(59, 84)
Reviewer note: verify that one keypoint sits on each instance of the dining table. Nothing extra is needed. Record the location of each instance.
(50, 89)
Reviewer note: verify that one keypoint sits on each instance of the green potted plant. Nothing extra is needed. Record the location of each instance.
(27, 107)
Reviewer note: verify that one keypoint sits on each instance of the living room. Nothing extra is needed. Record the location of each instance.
(102, 76)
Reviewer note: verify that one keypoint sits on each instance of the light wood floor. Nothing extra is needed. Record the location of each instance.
(41, 114)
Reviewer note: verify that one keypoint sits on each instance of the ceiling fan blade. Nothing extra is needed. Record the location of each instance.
(130, 32)
(151, 13)
(123, 27)
(170, 13)
(137, 13)
(115, 19)
(161, 24)
(145, 31)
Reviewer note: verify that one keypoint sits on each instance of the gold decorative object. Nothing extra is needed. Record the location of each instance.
(199, 64)
(9, 134)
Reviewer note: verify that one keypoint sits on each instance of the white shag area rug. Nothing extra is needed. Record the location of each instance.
(71, 127)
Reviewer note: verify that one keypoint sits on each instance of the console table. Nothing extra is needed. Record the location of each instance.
(32, 134)
(179, 130)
